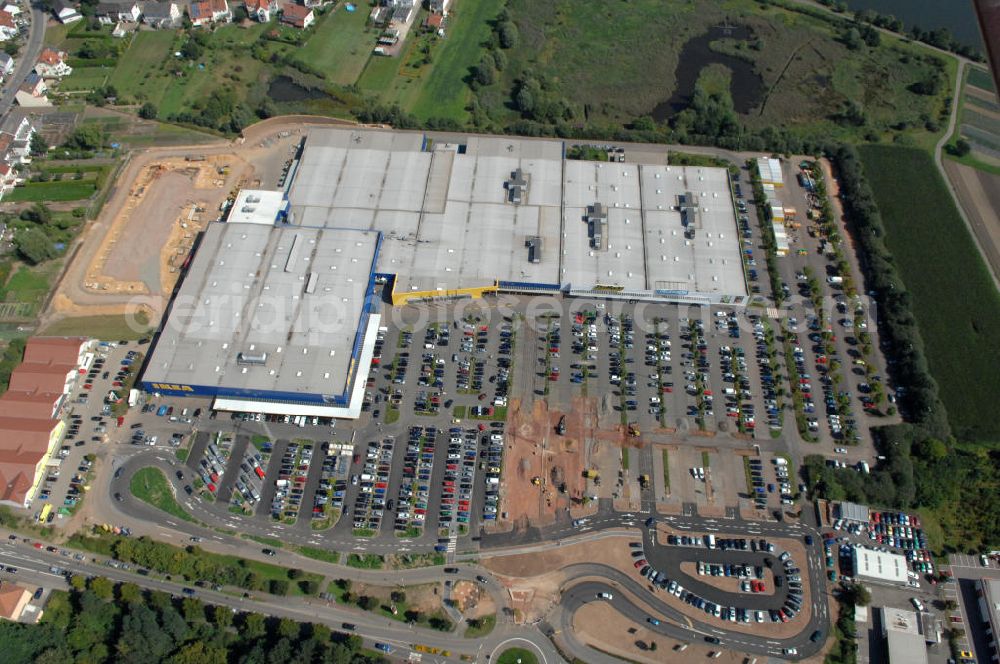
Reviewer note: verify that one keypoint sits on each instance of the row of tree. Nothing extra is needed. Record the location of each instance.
(98, 622)
(194, 564)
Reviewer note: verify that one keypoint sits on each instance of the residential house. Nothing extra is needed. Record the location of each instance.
(8, 180)
(161, 14)
(65, 11)
(118, 11)
(434, 23)
(312, 4)
(8, 28)
(261, 10)
(52, 64)
(31, 93)
(13, 600)
(6, 64)
(15, 139)
(209, 11)
(12, 9)
(439, 6)
(298, 16)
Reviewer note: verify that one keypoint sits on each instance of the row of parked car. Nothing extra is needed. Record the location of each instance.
(371, 502)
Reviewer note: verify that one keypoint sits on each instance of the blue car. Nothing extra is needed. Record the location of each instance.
(161, 411)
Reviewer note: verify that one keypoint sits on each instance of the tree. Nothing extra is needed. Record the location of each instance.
(961, 148)
(950, 605)
(485, 74)
(852, 38)
(398, 596)
(148, 111)
(78, 582)
(102, 588)
(222, 616)
(367, 603)
(278, 587)
(858, 595)
(37, 214)
(294, 573)
(254, 626)
(86, 138)
(38, 147)
(130, 593)
(288, 628)
(507, 34)
(191, 50)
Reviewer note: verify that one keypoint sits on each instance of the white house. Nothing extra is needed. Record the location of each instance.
(32, 92)
(261, 10)
(65, 11)
(52, 64)
(6, 64)
(161, 14)
(440, 6)
(121, 11)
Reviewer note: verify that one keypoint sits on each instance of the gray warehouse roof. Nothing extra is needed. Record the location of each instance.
(267, 309)
(448, 221)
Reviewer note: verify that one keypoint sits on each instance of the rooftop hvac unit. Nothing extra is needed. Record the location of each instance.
(257, 359)
(253, 199)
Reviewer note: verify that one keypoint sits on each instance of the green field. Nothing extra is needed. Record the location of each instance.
(99, 327)
(955, 302)
(137, 73)
(980, 78)
(150, 485)
(340, 46)
(444, 93)
(30, 285)
(72, 190)
(85, 78)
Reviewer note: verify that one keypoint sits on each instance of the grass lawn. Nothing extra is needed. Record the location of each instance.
(85, 78)
(320, 554)
(138, 69)
(340, 47)
(151, 486)
(99, 327)
(483, 627)
(517, 656)
(954, 300)
(72, 190)
(666, 470)
(705, 459)
(378, 74)
(444, 93)
(624, 458)
(365, 561)
(31, 285)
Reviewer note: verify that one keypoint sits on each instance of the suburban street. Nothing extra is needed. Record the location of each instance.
(26, 60)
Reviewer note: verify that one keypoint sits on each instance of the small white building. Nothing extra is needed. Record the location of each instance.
(6, 64)
(770, 171)
(879, 566)
(65, 11)
(52, 64)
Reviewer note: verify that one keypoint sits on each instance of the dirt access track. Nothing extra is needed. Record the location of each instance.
(128, 259)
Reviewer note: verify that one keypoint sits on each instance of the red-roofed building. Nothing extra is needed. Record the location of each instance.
(39, 405)
(8, 28)
(29, 377)
(298, 16)
(26, 445)
(13, 600)
(52, 64)
(209, 11)
(434, 22)
(57, 350)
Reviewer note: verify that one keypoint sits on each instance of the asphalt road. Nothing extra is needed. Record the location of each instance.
(26, 61)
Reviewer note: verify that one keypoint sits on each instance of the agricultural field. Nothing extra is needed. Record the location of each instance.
(139, 74)
(68, 190)
(954, 300)
(24, 292)
(978, 123)
(340, 47)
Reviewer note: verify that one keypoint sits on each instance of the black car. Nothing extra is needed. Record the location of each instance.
(348, 626)
(712, 639)
(268, 552)
(188, 490)
(119, 497)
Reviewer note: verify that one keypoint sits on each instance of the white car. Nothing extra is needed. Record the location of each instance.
(607, 596)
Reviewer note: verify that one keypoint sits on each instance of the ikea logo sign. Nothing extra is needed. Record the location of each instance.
(172, 386)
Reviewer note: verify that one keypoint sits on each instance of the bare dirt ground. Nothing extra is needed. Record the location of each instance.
(598, 625)
(533, 579)
(544, 470)
(472, 600)
(123, 260)
(979, 194)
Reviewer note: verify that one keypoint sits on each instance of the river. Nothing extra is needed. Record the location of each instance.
(958, 16)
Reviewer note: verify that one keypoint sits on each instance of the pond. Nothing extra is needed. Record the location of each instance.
(283, 88)
(747, 86)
